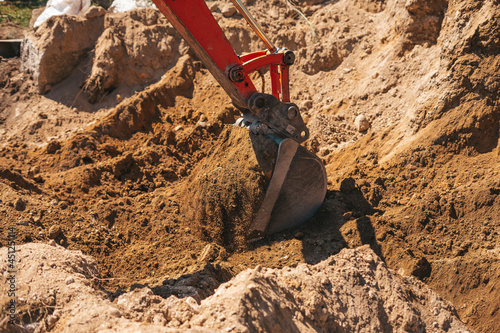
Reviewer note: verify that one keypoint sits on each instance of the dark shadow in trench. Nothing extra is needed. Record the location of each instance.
(199, 285)
(342, 213)
(323, 235)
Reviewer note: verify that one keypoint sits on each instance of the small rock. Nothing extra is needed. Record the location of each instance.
(193, 304)
(22, 222)
(70, 280)
(362, 124)
(213, 7)
(52, 243)
(63, 205)
(54, 231)
(299, 235)
(115, 313)
(95, 11)
(212, 252)
(20, 204)
(52, 147)
(421, 268)
(228, 11)
(348, 185)
(33, 171)
(51, 321)
(57, 313)
(209, 253)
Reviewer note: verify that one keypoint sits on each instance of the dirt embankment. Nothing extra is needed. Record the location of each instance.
(421, 186)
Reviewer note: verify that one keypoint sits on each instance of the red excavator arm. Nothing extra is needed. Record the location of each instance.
(298, 178)
(195, 23)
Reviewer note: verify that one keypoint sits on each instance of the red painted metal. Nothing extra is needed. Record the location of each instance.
(197, 19)
(250, 56)
(263, 61)
(279, 79)
(285, 88)
(275, 80)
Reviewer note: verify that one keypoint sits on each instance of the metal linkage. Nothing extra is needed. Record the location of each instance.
(277, 118)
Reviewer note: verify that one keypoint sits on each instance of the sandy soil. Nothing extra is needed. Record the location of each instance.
(104, 161)
(353, 291)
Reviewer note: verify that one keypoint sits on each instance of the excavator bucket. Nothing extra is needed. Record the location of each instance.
(297, 177)
(296, 189)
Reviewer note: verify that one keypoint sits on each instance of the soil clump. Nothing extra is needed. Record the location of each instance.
(227, 190)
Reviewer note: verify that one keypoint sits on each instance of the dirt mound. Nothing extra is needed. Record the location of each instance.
(350, 292)
(227, 190)
(435, 169)
(52, 51)
(50, 276)
(125, 49)
(134, 48)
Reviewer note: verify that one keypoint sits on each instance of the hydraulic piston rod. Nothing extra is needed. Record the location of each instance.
(255, 26)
